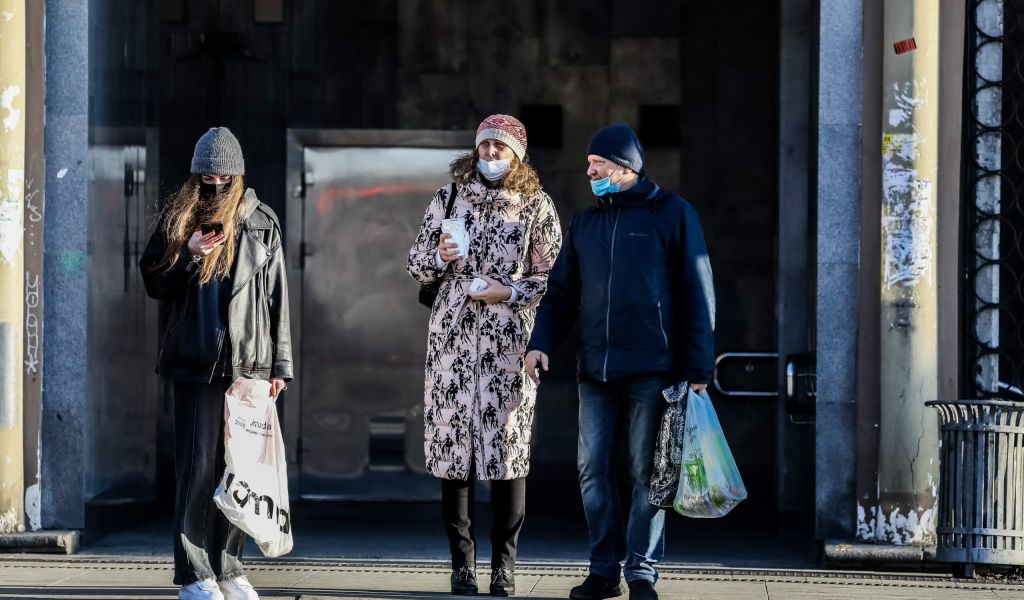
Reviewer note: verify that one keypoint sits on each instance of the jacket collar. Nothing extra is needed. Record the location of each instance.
(476, 192)
(642, 194)
(249, 204)
(252, 253)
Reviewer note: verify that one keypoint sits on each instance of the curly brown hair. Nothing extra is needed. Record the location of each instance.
(521, 177)
(184, 213)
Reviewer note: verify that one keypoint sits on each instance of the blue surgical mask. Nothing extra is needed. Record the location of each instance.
(493, 170)
(603, 187)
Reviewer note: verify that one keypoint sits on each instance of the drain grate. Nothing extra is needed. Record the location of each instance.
(568, 569)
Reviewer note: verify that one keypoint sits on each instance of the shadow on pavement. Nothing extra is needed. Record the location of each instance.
(413, 531)
(128, 592)
(106, 592)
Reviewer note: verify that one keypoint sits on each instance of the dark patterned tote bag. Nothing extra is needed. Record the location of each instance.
(668, 454)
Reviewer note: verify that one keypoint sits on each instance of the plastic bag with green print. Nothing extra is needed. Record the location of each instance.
(709, 481)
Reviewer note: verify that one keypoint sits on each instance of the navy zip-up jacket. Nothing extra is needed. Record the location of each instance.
(634, 270)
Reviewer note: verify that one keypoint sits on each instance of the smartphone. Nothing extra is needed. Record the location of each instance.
(215, 226)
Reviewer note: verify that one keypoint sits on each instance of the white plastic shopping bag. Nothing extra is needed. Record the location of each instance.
(253, 493)
(709, 482)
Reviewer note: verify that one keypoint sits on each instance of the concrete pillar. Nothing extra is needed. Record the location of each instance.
(908, 468)
(33, 245)
(12, 196)
(62, 454)
(838, 202)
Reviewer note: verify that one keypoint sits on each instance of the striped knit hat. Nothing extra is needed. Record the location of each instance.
(507, 130)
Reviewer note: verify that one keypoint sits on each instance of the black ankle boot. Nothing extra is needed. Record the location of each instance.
(641, 589)
(464, 581)
(595, 587)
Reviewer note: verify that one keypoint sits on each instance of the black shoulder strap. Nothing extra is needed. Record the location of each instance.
(451, 201)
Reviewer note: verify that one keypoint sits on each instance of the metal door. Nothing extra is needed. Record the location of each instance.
(122, 388)
(363, 339)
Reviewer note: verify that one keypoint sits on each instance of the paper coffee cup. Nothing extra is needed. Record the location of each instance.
(457, 229)
(477, 285)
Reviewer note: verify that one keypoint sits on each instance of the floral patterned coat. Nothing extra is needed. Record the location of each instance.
(478, 402)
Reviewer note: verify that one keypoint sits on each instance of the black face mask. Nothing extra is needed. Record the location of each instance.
(208, 191)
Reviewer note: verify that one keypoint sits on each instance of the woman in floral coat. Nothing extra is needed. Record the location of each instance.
(478, 403)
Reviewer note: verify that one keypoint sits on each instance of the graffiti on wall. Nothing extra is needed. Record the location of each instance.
(32, 305)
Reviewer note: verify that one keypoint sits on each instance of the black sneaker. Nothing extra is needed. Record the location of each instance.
(464, 582)
(595, 587)
(641, 589)
(503, 582)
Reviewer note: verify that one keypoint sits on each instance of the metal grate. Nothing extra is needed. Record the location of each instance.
(994, 206)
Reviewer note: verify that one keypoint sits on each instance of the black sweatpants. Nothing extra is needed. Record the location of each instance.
(508, 509)
(206, 544)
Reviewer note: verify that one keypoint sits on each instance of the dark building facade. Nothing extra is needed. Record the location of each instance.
(766, 116)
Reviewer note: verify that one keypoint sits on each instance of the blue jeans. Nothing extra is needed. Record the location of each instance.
(640, 541)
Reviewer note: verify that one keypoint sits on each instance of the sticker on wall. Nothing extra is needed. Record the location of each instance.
(899, 146)
(907, 213)
(11, 215)
(11, 116)
(904, 46)
(907, 228)
(907, 97)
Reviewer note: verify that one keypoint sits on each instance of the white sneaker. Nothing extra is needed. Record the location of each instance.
(201, 590)
(238, 588)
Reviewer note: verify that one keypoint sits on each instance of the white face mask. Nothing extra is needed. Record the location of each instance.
(493, 170)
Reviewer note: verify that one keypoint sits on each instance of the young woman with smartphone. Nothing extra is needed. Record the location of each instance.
(216, 258)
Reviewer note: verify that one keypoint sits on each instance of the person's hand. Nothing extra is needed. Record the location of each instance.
(201, 245)
(494, 292)
(698, 387)
(449, 250)
(277, 386)
(532, 358)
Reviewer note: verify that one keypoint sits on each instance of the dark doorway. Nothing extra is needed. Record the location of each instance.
(698, 80)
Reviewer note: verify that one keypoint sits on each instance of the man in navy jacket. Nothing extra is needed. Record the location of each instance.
(634, 271)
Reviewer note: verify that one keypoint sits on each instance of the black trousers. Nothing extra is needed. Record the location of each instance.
(206, 544)
(508, 509)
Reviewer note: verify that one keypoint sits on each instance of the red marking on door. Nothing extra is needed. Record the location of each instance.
(329, 195)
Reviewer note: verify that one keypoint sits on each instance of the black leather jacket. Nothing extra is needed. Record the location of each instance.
(257, 312)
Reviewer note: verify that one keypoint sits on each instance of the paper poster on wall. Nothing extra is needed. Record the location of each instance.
(11, 215)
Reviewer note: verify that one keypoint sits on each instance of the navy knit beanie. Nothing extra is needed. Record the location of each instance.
(619, 144)
(218, 153)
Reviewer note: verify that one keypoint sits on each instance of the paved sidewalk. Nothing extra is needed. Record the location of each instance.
(121, 578)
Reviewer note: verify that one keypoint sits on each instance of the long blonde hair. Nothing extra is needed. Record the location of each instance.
(520, 179)
(185, 212)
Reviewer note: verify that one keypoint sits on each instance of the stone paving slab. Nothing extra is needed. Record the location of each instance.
(114, 578)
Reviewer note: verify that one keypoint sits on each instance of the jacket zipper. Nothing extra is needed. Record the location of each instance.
(220, 351)
(163, 346)
(259, 331)
(608, 310)
(661, 324)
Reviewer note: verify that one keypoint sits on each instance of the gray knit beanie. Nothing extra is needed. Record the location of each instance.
(218, 153)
